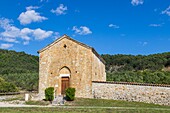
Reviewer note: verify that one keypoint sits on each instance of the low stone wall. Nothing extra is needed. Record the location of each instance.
(149, 93)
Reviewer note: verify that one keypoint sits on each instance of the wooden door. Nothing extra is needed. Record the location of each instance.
(64, 84)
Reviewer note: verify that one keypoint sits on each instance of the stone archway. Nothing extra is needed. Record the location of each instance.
(65, 78)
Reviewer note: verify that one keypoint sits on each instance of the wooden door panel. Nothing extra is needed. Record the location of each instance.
(65, 85)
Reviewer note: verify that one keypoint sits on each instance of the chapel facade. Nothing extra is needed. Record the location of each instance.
(69, 63)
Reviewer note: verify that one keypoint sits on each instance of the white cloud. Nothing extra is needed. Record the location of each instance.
(4, 23)
(76, 29)
(43, 0)
(114, 26)
(31, 7)
(56, 35)
(30, 16)
(155, 25)
(11, 31)
(13, 34)
(26, 43)
(143, 43)
(166, 11)
(40, 34)
(137, 2)
(83, 30)
(61, 10)
(26, 33)
(5, 46)
(7, 39)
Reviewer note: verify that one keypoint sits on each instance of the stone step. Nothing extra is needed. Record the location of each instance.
(59, 100)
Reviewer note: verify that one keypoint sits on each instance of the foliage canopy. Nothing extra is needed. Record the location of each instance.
(19, 71)
(139, 68)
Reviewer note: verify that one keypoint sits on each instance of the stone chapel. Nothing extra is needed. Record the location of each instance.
(68, 63)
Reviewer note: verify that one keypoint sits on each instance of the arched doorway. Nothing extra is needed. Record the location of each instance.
(65, 79)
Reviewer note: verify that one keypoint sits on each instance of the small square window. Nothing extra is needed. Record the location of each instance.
(65, 46)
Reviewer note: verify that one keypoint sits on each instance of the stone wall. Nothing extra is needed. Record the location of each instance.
(98, 69)
(149, 93)
(78, 58)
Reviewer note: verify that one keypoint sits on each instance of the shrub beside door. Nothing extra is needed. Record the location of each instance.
(49, 94)
(70, 94)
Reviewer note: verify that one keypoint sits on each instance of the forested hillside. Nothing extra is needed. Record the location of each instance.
(145, 69)
(17, 62)
(18, 70)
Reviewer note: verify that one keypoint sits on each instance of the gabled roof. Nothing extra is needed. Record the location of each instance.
(84, 45)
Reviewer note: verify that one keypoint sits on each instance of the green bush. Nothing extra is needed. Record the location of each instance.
(70, 94)
(6, 86)
(49, 94)
(24, 81)
(154, 77)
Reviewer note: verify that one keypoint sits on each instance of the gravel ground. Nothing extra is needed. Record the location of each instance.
(7, 104)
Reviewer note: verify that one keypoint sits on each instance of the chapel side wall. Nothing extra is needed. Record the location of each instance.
(43, 73)
(78, 59)
(148, 94)
(98, 69)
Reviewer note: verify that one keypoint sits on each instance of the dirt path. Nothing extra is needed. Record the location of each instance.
(5, 104)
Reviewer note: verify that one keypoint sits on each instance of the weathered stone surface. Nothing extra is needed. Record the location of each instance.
(59, 100)
(81, 63)
(148, 94)
(67, 56)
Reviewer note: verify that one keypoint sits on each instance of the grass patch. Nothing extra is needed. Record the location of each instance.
(78, 110)
(37, 102)
(111, 103)
(80, 105)
(12, 98)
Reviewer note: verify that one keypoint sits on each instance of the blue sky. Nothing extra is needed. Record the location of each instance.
(110, 26)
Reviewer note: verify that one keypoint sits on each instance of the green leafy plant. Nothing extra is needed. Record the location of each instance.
(70, 94)
(49, 94)
(7, 86)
